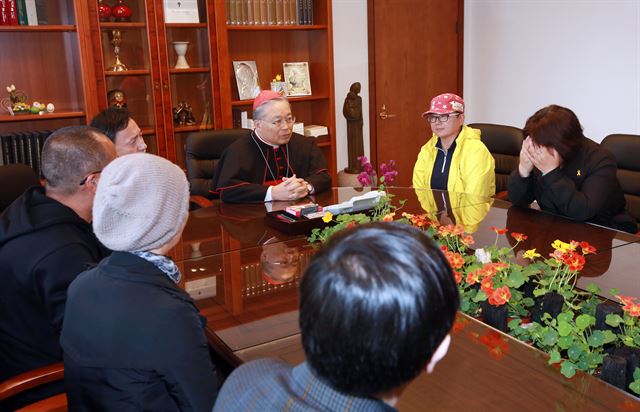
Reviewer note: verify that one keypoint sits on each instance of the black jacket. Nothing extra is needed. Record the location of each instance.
(584, 188)
(242, 171)
(44, 245)
(133, 340)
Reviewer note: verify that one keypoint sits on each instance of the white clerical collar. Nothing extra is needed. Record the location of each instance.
(262, 140)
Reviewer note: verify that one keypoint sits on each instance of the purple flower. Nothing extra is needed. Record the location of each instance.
(364, 179)
(389, 171)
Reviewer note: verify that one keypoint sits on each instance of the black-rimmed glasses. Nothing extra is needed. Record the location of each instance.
(442, 118)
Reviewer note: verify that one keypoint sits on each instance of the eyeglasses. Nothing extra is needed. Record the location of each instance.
(289, 121)
(443, 118)
(83, 181)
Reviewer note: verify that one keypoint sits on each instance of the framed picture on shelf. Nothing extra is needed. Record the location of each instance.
(296, 79)
(181, 11)
(246, 79)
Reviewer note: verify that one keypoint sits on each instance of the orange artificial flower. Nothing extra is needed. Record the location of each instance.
(625, 299)
(388, 217)
(498, 230)
(455, 260)
(500, 296)
(587, 248)
(487, 286)
(473, 277)
(457, 276)
(574, 261)
(467, 240)
(519, 237)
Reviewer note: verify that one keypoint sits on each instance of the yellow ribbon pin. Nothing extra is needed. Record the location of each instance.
(578, 173)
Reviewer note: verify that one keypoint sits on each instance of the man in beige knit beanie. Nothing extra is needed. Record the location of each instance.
(132, 338)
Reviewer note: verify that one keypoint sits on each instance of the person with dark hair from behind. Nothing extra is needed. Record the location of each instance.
(132, 338)
(377, 303)
(45, 241)
(567, 173)
(123, 131)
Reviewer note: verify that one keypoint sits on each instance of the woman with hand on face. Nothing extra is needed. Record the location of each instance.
(567, 173)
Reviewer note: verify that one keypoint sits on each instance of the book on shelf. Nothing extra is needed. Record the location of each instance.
(12, 11)
(240, 119)
(269, 12)
(298, 128)
(315, 130)
(32, 12)
(22, 12)
(4, 12)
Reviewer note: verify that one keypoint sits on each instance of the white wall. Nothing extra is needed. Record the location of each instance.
(521, 55)
(350, 60)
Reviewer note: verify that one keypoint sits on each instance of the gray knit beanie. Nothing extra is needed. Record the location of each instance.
(141, 202)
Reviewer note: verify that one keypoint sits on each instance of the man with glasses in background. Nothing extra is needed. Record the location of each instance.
(272, 163)
(454, 159)
(46, 240)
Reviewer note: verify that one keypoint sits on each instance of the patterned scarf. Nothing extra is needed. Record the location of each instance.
(163, 263)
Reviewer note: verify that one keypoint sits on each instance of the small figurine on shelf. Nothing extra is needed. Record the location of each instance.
(121, 12)
(117, 98)
(16, 103)
(183, 115)
(104, 11)
(277, 85)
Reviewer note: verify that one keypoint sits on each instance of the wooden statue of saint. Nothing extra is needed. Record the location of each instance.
(352, 111)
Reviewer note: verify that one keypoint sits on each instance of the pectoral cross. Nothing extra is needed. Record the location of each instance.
(578, 173)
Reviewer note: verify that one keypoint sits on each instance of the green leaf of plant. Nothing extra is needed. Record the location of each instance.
(593, 288)
(568, 369)
(515, 279)
(479, 297)
(554, 357)
(565, 317)
(584, 321)
(565, 342)
(564, 328)
(613, 319)
(575, 351)
(549, 337)
(636, 374)
(596, 339)
(635, 387)
(609, 336)
(614, 291)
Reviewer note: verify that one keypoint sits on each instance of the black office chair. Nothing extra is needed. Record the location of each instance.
(504, 143)
(14, 180)
(203, 150)
(626, 149)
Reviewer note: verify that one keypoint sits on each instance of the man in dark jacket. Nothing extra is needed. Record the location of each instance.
(46, 239)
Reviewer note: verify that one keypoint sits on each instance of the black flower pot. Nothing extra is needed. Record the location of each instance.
(632, 358)
(550, 303)
(602, 310)
(527, 288)
(495, 316)
(614, 371)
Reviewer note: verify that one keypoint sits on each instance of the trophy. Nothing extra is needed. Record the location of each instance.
(116, 39)
(181, 49)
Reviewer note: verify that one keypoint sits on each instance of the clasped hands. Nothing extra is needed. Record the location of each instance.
(543, 158)
(291, 188)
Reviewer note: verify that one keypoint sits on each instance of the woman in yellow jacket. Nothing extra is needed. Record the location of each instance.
(454, 159)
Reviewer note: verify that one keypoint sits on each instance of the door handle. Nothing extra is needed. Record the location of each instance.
(384, 115)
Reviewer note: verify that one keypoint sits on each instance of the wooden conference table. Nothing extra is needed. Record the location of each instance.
(249, 317)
